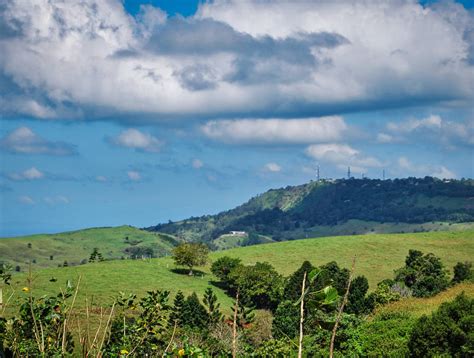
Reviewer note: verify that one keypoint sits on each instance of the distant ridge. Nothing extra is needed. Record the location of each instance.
(336, 207)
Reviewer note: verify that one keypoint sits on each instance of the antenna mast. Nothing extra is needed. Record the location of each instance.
(348, 172)
(317, 172)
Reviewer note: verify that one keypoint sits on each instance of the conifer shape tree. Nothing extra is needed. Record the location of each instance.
(176, 316)
(194, 313)
(210, 301)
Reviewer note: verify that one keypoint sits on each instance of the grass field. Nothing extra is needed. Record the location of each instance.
(75, 246)
(377, 257)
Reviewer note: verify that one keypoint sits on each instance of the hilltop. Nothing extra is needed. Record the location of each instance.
(75, 247)
(336, 207)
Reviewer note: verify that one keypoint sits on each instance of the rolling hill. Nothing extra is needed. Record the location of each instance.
(75, 247)
(377, 257)
(336, 207)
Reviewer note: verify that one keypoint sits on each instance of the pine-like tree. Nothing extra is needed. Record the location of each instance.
(194, 313)
(210, 301)
(176, 316)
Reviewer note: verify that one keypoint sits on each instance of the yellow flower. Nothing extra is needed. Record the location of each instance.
(123, 351)
(181, 352)
(25, 289)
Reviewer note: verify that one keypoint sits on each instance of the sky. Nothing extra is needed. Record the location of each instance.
(139, 112)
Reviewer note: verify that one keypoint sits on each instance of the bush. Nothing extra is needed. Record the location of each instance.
(462, 272)
(424, 274)
(447, 332)
(286, 320)
(385, 336)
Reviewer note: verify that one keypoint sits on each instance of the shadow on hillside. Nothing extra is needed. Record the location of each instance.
(182, 271)
(219, 284)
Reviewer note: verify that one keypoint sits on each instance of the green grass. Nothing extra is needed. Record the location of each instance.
(377, 257)
(75, 246)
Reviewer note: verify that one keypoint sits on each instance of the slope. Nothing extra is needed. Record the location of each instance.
(75, 247)
(377, 257)
(338, 207)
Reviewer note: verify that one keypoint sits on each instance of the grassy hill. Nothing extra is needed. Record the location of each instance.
(377, 257)
(76, 246)
(339, 207)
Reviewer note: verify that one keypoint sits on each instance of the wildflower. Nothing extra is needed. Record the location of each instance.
(181, 352)
(25, 289)
(123, 351)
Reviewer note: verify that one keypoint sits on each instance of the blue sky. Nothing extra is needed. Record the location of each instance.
(140, 112)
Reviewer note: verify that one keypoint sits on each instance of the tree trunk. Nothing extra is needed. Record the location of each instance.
(341, 309)
(234, 326)
(300, 346)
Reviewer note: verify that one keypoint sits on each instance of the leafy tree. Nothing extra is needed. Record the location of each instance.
(210, 301)
(191, 255)
(222, 267)
(260, 284)
(462, 272)
(448, 332)
(194, 313)
(357, 301)
(286, 319)
(142, 331)
(292, 289)
(424, 274)
(332, 275)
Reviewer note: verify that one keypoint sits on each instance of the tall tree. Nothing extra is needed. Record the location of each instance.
(210, 301)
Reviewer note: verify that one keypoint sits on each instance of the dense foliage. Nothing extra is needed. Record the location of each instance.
(447, 332)
(285, 213)
(425, 275)
(264, 320)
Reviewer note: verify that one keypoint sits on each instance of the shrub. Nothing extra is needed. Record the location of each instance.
(462, 272)
(447, 332)
(286, 320)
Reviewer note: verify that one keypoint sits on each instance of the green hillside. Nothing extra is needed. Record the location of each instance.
(377, 257)
(75, 247)
(338, 207)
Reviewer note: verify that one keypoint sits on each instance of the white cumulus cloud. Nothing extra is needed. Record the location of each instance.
(72, 59)
(27, 200)
(133, 138)
(24, 141)
(197, 163)
(343, 156)
(277, 131)
(28, 174)
(272, 167)
(407, 168)
(134, 175)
